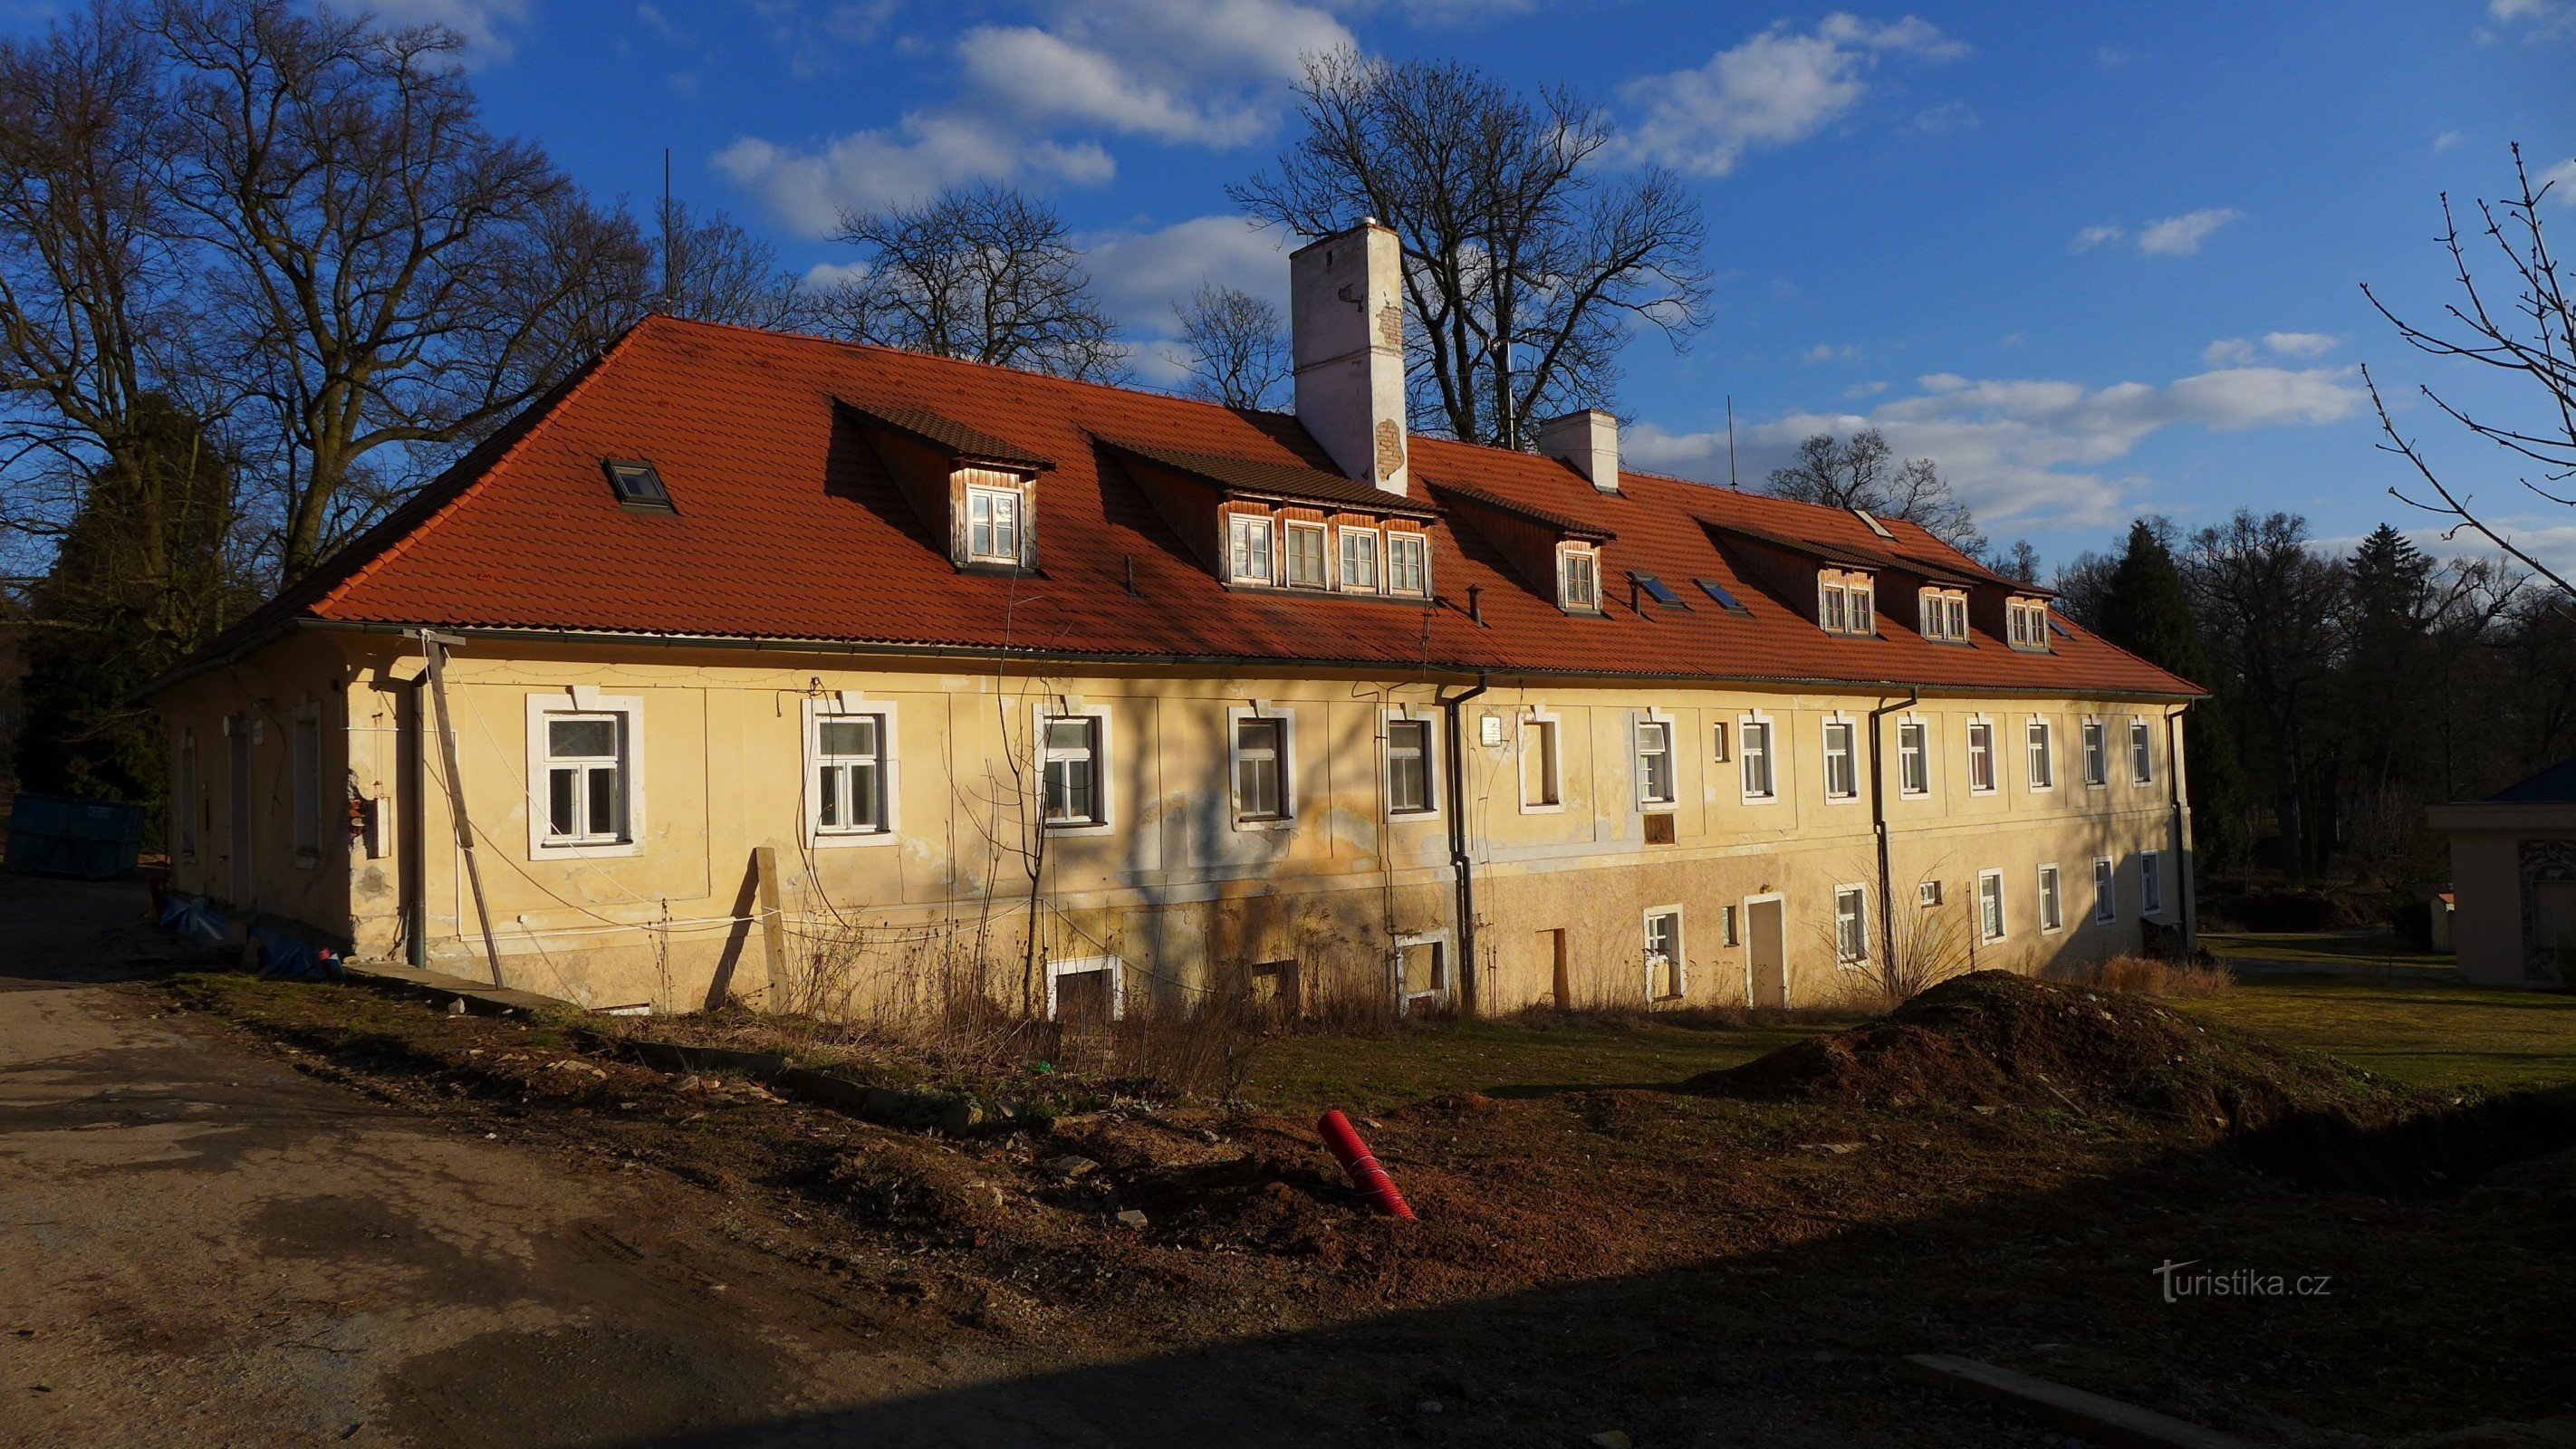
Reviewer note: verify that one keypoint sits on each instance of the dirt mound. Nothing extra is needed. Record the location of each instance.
(1996, 1039)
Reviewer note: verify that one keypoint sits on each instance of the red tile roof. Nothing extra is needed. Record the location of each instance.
(789, 528)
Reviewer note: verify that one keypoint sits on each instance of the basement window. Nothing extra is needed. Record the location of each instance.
(638, 484)
(1851, 925)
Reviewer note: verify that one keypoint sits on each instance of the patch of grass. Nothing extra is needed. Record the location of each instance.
(2343, 948)
(2430, 1033)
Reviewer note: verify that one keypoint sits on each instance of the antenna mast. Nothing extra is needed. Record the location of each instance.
(666, 229)
(1730, 442)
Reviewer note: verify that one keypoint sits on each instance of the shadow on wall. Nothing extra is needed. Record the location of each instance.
(1793, 1340)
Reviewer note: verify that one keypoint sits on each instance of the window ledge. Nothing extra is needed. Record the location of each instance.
(1553, 807)
(1265, 822)
(834, 839)
(587, 852)
(1064, 827)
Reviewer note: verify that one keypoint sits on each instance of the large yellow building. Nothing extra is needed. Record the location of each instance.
(829, 675)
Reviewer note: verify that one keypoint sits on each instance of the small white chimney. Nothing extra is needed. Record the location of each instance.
(1346, 338)
(1588, 441)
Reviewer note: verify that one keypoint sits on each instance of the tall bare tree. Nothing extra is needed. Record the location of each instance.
(981, 272)
(2530, 336)
(1864, 473)
(1527, 267)
(398, 277)
(1234, 346)
(708, 268)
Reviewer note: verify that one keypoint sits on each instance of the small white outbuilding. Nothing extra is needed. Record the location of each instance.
(2513, 881)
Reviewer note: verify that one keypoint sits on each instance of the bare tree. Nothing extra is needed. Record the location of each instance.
(397, 276)
(1864, 473)
(2530, 336)
(710, 269)
(2269, 604)
(1233, 345)
(1527, 267)
(979, 272)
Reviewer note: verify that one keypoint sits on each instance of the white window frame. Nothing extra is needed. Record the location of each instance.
(2026, 624)
(1286, 718)
(1660, 724)
(1059, 967)
(1676, 965)
(1729, 933)
(1833, 605)
(1980, 724)
(1104, 751)
(1290, 530)
(1345, 536)
(1538, 725)
(2040, 765)
(1913, 761)
(1431, 781)
(2106, 890)
(304, 783)
(1769, 754)
(1864, 606)
(1927, 894)
(2142, 748)
(1943, 614)
(2052, 901)
(1419, 546)
(1991, 882)
(1845, 956)
(1718, 754)
(584, 699)
(1018, 499)
(843, 705)
(1248, 535)
(2151, 871)
(1566, 555)
(1850, 729)
(1448, 989)
(2095, 748)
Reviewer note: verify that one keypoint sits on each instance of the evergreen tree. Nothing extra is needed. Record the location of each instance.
(2145, 610)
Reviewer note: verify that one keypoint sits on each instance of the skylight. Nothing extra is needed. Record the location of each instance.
(1657, 590)
(1875, 526)
(2057, 628)
(1717, 591)
(638, 484)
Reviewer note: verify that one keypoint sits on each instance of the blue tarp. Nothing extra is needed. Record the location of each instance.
(59, 835)
(284, 956)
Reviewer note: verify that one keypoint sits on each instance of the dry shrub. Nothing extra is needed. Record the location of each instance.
(2145, 976)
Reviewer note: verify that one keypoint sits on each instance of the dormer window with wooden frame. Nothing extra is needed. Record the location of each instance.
(1249, 540)
(1408, 564)
(995, 504)
(975, 491)
(1301, 555)
(1578, 578)
(1359, 559)
(2026, 624)
(1273, 524)
(1945, 615)
(1846, 602)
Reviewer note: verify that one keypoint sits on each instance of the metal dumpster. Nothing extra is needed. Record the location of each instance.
(58, 835)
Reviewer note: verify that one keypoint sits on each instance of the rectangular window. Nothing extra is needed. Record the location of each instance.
(2097, 754)
(1539, 774)
(1955, 624)
(1421, 972)
(1717, 733)
(2106, 890)
(1851, 925)
(2142, 753)
(1248, 547)
(2043, 769)
(849, 774)
(1260, 779)
(2027, 623)
(586, 786)
(1654, 763)
(1726, 926)
(2052, 909)
(1864, 609)
(1408, 767)
(1990, 905)
(1981, 758)
(1359, 560)
(1408, 569)
(308, 783)
(2151, 883)
(183, 804)
(1757, 759)
(1304, 547)
(1071, 773)
(1832, 608)
(1927, 894)
(1663, 943)
(1578, 579)
(1914, 757)
(1842, 760)
(1945, 615)
(993, 525)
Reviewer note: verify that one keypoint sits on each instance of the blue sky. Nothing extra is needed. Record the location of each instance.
(2095, 259)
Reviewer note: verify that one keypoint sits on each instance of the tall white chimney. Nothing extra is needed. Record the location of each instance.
(1346, 337)
(1588, 441)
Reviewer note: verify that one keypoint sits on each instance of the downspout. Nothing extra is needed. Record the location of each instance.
(1460, 864)
(1878, 824)
(2183, 865)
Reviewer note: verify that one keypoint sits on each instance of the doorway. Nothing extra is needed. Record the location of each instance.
(237, 788)
(1766, 951)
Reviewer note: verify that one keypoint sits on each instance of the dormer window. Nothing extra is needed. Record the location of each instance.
(1945, 615)
(1247, 539)
(1302, 555)
(1359, 560)
(1408, 564)
(2026, 623)
(638, 484)
(1578, 578)
(1846, 603)
(993, 522)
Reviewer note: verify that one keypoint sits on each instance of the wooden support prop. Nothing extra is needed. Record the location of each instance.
(2101, 1420)
(773, 925)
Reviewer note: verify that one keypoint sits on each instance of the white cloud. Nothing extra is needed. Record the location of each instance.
(2301, 344)
(2028, 449)
(2181, 236)
(2538, 19)
(483, 23)
(2228, 351)
(2561, 179)
(808, 190)
(2447, 140)
(1864, 389)
(1828, 352)
(2094, 236)
(1139, 276)
(823, 276)
(1773, 88)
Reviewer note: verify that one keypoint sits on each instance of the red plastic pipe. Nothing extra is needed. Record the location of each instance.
(1365, 1174)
